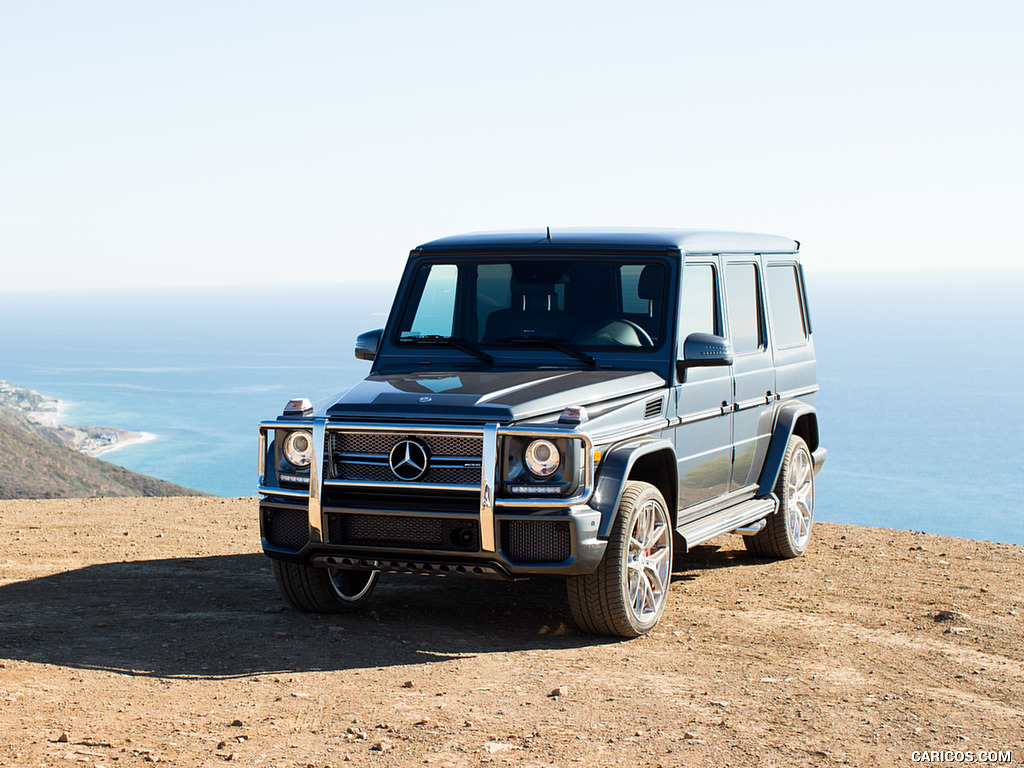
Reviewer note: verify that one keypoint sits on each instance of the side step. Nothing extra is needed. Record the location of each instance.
(742, 518)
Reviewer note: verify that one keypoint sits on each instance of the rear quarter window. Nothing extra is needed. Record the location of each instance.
(787, 314)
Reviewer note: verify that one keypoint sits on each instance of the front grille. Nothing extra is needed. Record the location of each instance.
(286, 528)
(536, 541)
(366, 472)
(404, 532)
(381, 443)
(363, 457)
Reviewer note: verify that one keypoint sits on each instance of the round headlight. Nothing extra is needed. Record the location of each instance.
(542, 458)
(298, 448)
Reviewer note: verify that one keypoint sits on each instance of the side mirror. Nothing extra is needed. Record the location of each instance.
(367, 344)
(704, 349)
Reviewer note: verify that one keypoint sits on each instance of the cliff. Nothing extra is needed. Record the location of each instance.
(35, 467)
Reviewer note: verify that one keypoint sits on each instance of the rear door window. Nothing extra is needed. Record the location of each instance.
(746, 326)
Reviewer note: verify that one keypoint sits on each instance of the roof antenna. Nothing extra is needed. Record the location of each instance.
(549, 234)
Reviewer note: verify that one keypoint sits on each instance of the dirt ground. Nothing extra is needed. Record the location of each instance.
(140, 631)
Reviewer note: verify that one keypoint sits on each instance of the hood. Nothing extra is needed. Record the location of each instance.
(502, 396)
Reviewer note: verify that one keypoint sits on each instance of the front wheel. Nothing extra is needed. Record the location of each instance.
(789, 530)
(626, 595)
(323, 590)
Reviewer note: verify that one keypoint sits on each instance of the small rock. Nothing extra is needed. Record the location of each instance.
(561, 690)
(64, 738)
(689, 735)
(383, 745)
(946, 615)
(300, 695)
(236, 723)
(221, 744)
(423, 721)
(493, 747)
(408, 684)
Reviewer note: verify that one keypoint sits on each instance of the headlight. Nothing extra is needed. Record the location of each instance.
(542, 458)
(298, 448)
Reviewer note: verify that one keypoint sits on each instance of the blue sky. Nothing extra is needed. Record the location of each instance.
(256, 142)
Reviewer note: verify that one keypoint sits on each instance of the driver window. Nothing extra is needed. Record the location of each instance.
(697, 301)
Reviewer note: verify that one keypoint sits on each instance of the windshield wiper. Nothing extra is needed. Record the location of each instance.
(555, 343)
(459, 344)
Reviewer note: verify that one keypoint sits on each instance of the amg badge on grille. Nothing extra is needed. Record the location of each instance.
(409, 460)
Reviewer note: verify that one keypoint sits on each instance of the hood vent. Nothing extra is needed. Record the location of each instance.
(653, 408)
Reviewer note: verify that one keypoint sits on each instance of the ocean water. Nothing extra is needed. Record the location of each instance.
(918, 406)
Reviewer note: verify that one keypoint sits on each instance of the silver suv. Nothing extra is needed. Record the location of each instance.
(562, 403)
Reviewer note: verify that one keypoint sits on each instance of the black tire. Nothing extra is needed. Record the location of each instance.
(789, 530)
(323, 590)
(626, 595)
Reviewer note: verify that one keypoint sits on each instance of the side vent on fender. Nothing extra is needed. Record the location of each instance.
(653, 408)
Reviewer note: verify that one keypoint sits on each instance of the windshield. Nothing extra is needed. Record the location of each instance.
(593, 303)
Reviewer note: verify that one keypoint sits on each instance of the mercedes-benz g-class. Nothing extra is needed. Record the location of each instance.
(563, 403)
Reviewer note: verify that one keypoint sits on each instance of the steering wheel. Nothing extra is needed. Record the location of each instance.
(644, 336)
(610, 332)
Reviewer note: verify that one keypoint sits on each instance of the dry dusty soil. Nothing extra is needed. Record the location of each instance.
(140, 631)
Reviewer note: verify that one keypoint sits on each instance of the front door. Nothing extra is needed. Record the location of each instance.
(703, 399)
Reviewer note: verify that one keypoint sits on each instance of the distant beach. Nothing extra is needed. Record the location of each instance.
(43, 415)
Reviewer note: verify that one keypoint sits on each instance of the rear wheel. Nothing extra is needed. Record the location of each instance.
(626, 595)
(323, 590)
(789, 530)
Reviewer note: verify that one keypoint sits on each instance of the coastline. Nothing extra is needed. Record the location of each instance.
(123, 441)
(43, 415)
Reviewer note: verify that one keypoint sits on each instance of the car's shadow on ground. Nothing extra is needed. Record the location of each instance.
(688, 566)
(221, 616)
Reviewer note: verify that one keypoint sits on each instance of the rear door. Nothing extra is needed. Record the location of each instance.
(753, 369)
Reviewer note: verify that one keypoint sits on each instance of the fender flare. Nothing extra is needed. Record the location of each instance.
(614, 472)
(785, 424)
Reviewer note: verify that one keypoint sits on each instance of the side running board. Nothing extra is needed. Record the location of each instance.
(743, 518)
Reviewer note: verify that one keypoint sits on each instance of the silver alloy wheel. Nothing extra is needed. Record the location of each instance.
(648, 561)
(800, 496)
(352, 586)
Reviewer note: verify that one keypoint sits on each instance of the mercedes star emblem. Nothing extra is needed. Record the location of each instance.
(408, 460)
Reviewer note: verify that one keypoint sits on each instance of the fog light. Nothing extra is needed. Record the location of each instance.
(534, 490)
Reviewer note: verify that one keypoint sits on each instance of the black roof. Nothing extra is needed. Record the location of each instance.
(601, 238)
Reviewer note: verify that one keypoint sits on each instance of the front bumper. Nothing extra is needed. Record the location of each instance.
(555, 542)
